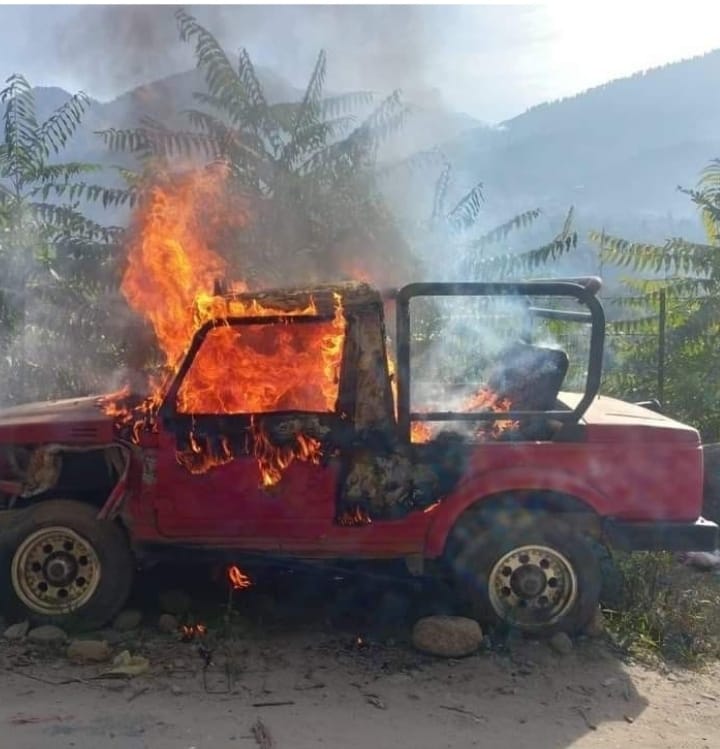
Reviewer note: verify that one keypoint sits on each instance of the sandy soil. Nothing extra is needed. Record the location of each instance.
(342, 695)
(292, 674)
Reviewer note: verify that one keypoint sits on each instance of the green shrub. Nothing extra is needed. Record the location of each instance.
(670, 611)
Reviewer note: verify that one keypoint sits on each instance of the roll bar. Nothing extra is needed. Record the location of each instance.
(582, 289)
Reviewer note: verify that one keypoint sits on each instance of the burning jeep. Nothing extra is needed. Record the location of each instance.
(287, 428)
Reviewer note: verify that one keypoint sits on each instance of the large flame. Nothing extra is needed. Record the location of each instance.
(170, 280)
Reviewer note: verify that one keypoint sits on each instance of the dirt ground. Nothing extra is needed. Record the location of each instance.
(301, 677)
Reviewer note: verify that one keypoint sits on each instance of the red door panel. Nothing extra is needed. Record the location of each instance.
(229, 502)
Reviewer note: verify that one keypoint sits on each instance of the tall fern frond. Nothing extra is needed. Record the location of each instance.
(307, 117)
(66, 221)
(440, 193)
(501, 232)
(64, 172)
(22, 148)
(63, 123)
(676, 256)
(501, 266)
(467, 210)
(337, 106)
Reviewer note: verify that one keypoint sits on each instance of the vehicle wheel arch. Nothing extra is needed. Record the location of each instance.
(501, 506)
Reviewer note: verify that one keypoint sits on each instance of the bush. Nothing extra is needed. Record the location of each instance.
(670, 611)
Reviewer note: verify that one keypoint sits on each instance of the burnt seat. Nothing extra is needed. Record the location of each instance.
(530, 377)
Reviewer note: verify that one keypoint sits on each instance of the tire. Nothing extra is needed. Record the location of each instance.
(60, 565)
(533, 574)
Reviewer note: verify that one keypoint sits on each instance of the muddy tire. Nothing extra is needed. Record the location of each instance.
(533, 574)
(60, 565)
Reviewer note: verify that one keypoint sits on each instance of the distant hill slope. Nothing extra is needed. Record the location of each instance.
(618, 150)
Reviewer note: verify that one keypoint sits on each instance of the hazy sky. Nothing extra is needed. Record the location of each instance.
(489, 61)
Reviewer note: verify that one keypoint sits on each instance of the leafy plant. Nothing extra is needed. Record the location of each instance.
(686, 276)
(54, 262)
(669, 611)
(305, 168)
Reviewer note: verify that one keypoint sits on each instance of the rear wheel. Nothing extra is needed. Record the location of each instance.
(536, 575)
(61, 565)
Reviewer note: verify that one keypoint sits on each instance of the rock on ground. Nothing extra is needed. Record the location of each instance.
(175, 602)
(127, 620)
(447, 636)
(16, 631)
(168, 623)
(561, 643)
(47, 633)
(89, 651)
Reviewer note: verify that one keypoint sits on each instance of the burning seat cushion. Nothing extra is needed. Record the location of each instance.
(530, 377)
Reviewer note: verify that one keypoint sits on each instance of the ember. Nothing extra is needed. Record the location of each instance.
(356, 517)
(190, 632)
(238, 579)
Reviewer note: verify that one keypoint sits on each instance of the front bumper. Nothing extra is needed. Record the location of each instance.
(702, 535)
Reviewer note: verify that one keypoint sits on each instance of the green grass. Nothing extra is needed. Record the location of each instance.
(670, 611)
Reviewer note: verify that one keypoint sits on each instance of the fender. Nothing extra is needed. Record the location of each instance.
(494, 482)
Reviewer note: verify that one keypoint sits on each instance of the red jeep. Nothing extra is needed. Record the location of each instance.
(515, 493)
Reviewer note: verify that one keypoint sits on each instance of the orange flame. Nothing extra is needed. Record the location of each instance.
(190, 632)
(273, 460)
(355, 517)
(483, 400)
(171, 274)
(238, 579)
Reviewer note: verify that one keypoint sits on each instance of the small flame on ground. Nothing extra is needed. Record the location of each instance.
(189, 632)
(238, 579)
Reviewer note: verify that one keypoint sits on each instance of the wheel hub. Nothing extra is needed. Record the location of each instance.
(55, 570)
(532, 586)
(528, 581)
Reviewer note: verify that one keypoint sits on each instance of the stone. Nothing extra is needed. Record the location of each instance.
(17, 631)
(176, 690)
(175, 602)
(561, 643)
(47, 633)
(127, 620)
(168, 623)
(89, 651)
(447, 636)
(596, 626)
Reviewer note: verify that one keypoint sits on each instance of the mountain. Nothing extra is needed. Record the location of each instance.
(617, 152)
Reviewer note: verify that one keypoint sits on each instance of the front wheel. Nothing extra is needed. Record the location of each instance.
(60, 565)
(534, 575)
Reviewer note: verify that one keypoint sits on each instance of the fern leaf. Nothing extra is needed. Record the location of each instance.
(63, 123)
(465, 213)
